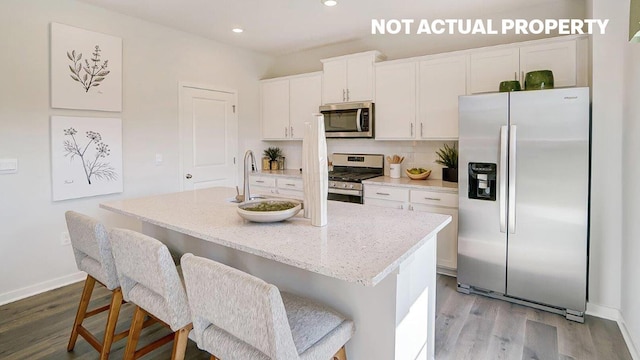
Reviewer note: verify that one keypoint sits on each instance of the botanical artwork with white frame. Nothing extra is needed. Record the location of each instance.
(86, 69)
(86, 156)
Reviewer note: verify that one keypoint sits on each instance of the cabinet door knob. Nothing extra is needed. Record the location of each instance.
(344, 97)
(188, 176)
(292, 131)
(411, 129)
(347, 94)
(286, 132)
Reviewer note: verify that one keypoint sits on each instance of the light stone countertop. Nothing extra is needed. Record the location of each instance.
(361, 243)
(429, 184)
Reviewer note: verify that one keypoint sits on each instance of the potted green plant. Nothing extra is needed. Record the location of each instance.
(273, 153)
(448, 157)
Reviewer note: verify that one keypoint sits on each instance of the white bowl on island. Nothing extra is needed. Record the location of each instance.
(262, 213)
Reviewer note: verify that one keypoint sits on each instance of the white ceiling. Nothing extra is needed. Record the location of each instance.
(277, 27)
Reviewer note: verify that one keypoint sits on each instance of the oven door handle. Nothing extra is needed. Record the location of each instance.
(359, 120)
(345, 192)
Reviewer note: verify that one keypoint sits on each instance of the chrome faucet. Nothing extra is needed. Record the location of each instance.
(247, 193)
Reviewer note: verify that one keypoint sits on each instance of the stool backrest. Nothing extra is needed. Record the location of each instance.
(92, 249)
(149, 277)
(242, 305)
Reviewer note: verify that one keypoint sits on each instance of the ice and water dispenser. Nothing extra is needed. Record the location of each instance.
(482, 181)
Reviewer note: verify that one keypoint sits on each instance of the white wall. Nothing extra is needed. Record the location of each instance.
(416, 153)
(606, 194)
(403, 46)
(155, 59)
(631, 200)
(616, 197)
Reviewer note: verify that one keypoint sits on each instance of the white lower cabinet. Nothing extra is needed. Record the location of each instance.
(412, 199)
(274, 186)
(447, 237)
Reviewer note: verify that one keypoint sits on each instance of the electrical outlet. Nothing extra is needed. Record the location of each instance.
(159, 159)
(65, 239)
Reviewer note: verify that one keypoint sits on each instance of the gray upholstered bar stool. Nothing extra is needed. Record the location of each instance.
(237, 316)
(92, 251)
(150, 280)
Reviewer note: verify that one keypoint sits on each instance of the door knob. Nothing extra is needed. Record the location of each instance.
(188, 176)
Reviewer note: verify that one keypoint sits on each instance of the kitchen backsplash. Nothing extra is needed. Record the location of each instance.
(416, 153)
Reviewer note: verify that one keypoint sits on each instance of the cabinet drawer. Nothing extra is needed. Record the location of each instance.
(434, 198)
(290, 184)
(385, 203)
(386, 193)
(262, 181)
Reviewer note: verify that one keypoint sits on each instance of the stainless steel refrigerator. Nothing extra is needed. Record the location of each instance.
(524, 162)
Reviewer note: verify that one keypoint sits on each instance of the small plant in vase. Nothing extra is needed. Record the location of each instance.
(273, 154)
(448, 157)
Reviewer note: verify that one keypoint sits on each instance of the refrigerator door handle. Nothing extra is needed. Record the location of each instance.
(502, 173)
(512, 179)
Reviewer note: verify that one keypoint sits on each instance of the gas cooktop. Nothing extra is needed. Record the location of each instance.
(352, 176)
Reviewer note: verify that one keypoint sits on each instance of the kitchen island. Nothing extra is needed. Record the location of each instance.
(375, 265)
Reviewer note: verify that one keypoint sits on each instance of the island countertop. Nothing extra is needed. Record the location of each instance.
(360, 243)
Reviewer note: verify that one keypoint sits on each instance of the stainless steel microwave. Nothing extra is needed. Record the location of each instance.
(348, 120)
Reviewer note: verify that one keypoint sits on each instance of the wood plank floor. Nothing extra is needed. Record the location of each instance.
(476, 327)
(467, 327)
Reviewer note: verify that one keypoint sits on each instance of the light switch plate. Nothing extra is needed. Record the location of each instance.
(8, 166)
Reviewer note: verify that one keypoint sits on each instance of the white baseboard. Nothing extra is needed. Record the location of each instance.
(603, 311)
(635, 355)
(447, 271)
(35, 289)
(615, 315)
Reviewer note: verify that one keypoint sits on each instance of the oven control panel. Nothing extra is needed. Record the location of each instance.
(345, 185)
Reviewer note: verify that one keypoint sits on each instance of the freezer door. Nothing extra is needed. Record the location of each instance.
(482, 222)
(547, 241)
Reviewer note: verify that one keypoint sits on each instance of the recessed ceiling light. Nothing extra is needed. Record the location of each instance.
(330, 2)
(237, 30)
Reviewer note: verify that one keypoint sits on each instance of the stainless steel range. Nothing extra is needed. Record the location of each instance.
(345, 181)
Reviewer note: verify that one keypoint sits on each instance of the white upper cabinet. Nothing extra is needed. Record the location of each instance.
(490, 67)
(275, 109)
(349, 78)
(287, 103)
(418, 100)
(360, 78)
(395, 107)
(440, 83)
(334, 79)
(559, 57)
(305, 95)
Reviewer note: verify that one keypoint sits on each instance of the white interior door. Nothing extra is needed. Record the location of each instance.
(208, 138)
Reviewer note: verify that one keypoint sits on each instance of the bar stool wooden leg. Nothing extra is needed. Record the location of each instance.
(180, 342)
(340, 355)
(112, 321)
(134, 334)
(89, 284)
(213, 358)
